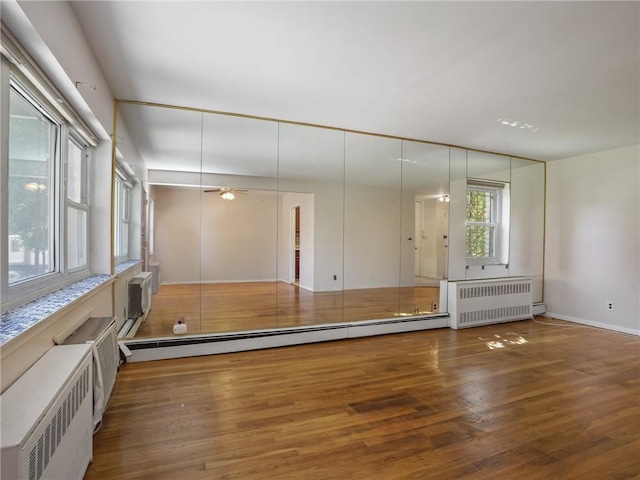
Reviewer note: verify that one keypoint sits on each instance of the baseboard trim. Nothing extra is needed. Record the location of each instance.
(591, 323)
(143, 350)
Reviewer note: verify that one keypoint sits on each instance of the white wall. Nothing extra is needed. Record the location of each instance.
(372, 237)
(224, 241)
(328, 241)
(526, 231)
(592, 239)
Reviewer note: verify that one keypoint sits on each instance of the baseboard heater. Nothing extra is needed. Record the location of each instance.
(473, 303)
(195, 345)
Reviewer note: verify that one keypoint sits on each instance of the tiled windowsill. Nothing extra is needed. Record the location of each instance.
(124, 266)
(19, 320)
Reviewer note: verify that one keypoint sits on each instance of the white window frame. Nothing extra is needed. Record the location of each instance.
(18, 76)
(84, 204)
(496, 223)
(122, 215)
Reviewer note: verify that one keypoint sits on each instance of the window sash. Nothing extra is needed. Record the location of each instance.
(482, 236)
(122, 214)
(32, 213)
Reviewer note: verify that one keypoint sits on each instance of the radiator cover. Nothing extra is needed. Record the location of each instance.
(47, 430)
(474, 303)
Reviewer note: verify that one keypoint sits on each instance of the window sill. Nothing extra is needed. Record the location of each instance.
(124, 266)
(20, 319)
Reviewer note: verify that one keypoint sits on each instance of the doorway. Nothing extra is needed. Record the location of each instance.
(295, 214)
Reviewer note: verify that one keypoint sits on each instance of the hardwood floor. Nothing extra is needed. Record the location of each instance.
(230, 307)
(514, 401)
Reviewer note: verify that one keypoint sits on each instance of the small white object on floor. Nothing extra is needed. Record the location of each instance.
(180, 328)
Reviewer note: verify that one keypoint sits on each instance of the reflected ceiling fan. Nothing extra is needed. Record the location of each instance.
(227, 193)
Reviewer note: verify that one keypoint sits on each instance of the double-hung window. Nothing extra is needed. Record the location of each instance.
(122, 215)
(484, 219)
(45, 214)
(77, 204)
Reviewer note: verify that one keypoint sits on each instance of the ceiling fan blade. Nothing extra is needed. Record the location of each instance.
(221, 190)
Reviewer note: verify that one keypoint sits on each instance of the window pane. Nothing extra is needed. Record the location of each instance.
(480, 241)
(31, 152)
(76, 238)
(479, 206)
(74, 173)
(124, 239)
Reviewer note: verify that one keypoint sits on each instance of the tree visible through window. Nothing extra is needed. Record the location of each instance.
(32, 142)
(482, 222)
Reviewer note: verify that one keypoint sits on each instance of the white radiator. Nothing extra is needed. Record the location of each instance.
(47, 432)
(101, 334)
(482, 302)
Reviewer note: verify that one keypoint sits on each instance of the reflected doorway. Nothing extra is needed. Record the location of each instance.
(295, 223)
(431, 235)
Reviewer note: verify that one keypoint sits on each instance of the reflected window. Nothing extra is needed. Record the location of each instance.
(485, 206)
(122, 214)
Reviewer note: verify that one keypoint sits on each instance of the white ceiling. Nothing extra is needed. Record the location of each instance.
(437, 71)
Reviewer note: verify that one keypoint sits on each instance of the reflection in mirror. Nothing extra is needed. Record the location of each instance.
(324, 225)
(488, 166)
(425, 226)
(372, 212)
(239, 223)
(488, 215)
(176, 250)
(171, 138)
(527, 222)
(310, 225)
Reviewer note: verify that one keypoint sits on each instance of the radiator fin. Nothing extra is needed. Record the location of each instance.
(47, 444)
(495, 313)
(494, 290)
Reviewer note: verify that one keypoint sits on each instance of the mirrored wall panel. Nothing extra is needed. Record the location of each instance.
(372, 226)
(310, 225)
(425, 226)
(173, 139)
(259, 224)
(239, 218)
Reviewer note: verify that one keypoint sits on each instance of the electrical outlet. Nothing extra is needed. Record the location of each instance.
(335, 277)
(610, 306)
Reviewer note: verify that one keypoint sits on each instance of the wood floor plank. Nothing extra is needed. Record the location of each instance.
(548, 402)
(232, 307)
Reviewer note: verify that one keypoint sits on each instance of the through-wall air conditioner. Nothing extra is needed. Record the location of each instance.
(101, 334)
(140, 295)
(47, 432)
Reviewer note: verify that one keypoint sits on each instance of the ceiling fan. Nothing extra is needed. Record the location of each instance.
(227, 193)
